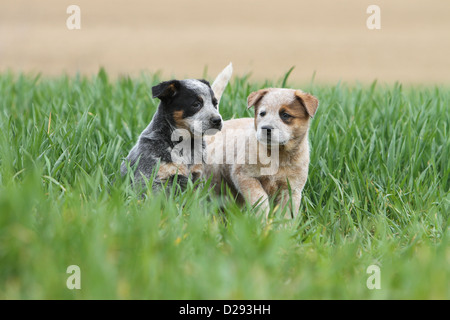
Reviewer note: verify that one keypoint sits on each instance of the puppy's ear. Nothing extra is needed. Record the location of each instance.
(255, 97)
(166, 89)
(221, 81)
(309, 102)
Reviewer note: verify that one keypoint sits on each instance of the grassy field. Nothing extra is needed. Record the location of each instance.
(377, 194)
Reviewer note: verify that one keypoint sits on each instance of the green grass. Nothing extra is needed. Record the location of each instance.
(377, 193)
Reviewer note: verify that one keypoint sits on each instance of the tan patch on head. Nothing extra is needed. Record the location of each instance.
(179, 120)
(299, 122)
(299, 127)
(302, 109)
(295, 109)
(167, 170)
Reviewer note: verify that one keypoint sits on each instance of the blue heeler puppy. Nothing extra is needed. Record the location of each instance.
(174, 138)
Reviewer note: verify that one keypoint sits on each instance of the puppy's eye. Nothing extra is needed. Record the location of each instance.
(262, 113)
(197, 104)
(285, 116)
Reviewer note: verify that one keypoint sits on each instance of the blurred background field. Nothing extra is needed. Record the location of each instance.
(265, 38)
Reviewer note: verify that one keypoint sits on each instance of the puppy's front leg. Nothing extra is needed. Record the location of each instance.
(296, 200)
(250, 188)
(295, 203)
(292, 202)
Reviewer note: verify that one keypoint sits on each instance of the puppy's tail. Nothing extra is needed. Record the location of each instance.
(221, 81)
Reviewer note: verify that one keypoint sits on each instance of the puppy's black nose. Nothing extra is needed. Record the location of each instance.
(268, 129)
(216, 121)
